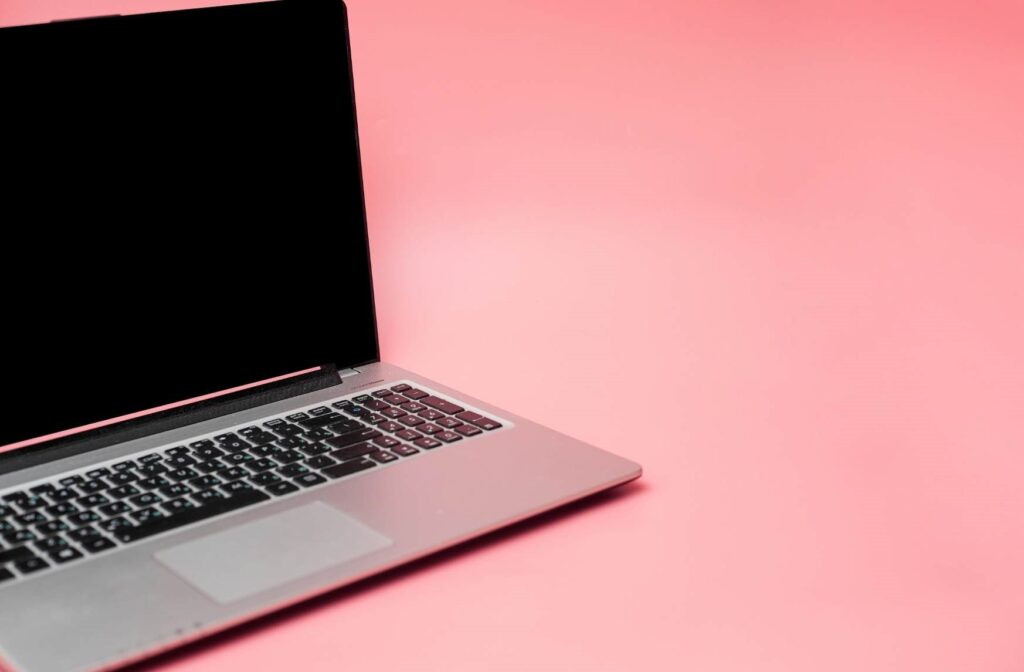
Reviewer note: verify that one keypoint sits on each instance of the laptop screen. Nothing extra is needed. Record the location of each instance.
(182, 209)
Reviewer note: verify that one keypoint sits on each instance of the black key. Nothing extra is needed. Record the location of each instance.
(187, 517)
(149, 459)
(287, 430)
(260, 438)
(30, 565)
(206, 497)
(430, 414)
(468, 430)
(204, 482)
(124, 466)
(176, 506)
(83, 518)
(147, 499)
(231, 436)
(6, 527)
(124, 491)
(408, 435)
(376, 405)
(62, 495)
(68, 481)
(152, 469)
(384, 393)
(182, 474)
(411, 421)
(319, 462)
(5, 575)
(235, 487)
(265, 479)
(236, 459)
(288, 456)
(318, 433)
(62, 509)
(262, 464)
(153, 482)
(413, 407)
(30, 503)
(236, 444)
(393, 413)
(383, 457)
(478, 420)
(15, 554)
(93, 486)
(31, 518)
(115, 509)
(264, 451)
(5, 511)
(97, 473)
(65, 555)
(385, 441)
(282, 488)
(414, 394)
(208, 453)
(391, 426)
(176, 490)
(143, 516)
(177, 450)
(291, 442)
(404, 450)
(209, 466)
(362, 398)
(319, 411)
(448, 437)
(357, 436)
(200, 445)
(449, 423)
(427, 443)
(116, 524)
(352, 452)
(374, 418)
(91, 501)
(180, 461)
(310, 479)
(43, 489)
(315, 449)
(98, 545)
(51, 544)
(355, 410)
(15, 497)
(345, 426)
(439, 404)
(401, 387)
(295, 417)
(293, 470)
(347, 468)
(233, 474)
(52, 527)
(122, 477)
(395, 399)
(341, 405)
(83, 533)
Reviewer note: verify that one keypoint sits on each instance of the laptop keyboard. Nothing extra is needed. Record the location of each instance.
(96, 510)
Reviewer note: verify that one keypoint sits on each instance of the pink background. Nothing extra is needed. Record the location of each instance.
(772, 251)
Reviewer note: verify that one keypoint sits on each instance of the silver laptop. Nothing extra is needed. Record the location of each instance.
(198, 428)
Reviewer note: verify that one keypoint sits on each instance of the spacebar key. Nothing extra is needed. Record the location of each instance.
(189, 516)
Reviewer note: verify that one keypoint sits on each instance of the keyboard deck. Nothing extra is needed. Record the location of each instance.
(85, 512)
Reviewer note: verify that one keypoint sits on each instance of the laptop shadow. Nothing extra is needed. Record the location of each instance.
(257, 625)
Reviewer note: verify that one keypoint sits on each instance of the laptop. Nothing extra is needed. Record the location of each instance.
(198, 428)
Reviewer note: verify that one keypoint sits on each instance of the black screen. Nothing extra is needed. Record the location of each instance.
(181, 209)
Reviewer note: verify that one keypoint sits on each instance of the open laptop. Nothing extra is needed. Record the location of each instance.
(197, 426)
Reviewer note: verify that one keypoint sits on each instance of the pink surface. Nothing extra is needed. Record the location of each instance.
(772, 251)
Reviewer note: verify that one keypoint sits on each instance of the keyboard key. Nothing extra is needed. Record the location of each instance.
(345, 426)
(232, 474)
(393, 413)
(342, 404)
(30, 503)
(82, 534)
(31, 565)
(430, 414)
(288, 456)
(92, 501)
(204, 482)
(318, 434)
(15, 555)
(449, 423)
(352, 452)
(15, 497)
(115, 509)
(385, 441)
(440, 404)
(93, 486)
(98, 545)
(121, 478)
(348, 468)
(319, 462)
(383, 393)
(427, 443)
(68, 481)
(264, 479)
(123, 466)
(51, 544)
(401, 387)
(83, 518)
(235, 487)
(31, 518)
(208, 453)
(448, 437)
(295, 417)
(411, 421)
(207, 496)
(287, 430)
(6, 527)
(5, 575)
(62, 509)
(293, 442)
(261, 438)
(282, 488)
(362, 398)
(383, 457)
(413, 407)
(143, 516)
(152, 469)
(262, 464)
(5, 511)
(391, 426)
(404, 450)
(395, 399)
(62, 495)
(429, 429)
(414, 394)
(65, 555)
(52, 527)
(43, 489)
(176, 506)
(376, 405)
(319, 411)
(176, 490)
(210, 466)
(355, 410)
(468, 430)
(310, 479)
(97, 473)
(115, 525)
(357, 436)
(180, 461)
(315, 449)
(147, 499)
(149, 459)
(182, 474)
(408, 435)
(177, 450)
(478, 420)
(374, 419)
(236, 459)
(201, 445)
(293, 470)
(229, 436)
(124, 491)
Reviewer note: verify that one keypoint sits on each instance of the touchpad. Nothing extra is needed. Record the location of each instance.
(269, 552)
